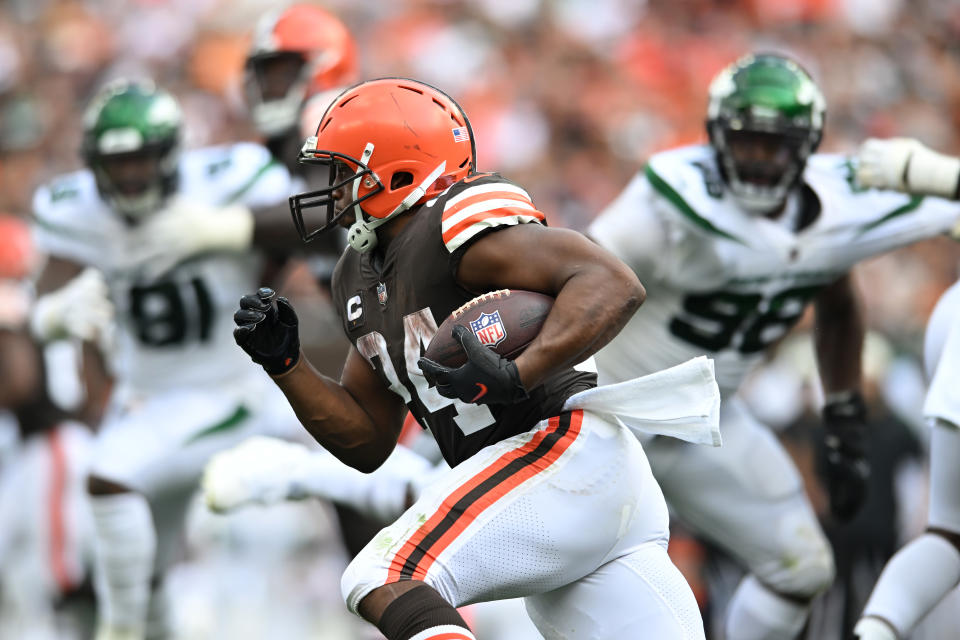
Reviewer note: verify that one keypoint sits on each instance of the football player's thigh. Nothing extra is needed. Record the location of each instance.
(641, 595)
(747, 495)
(160, 442)
(522, 516)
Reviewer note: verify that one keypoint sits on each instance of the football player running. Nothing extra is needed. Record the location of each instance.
(545, 500)
(735, 239)
(923, 572)
(123, 271)
(300, 59)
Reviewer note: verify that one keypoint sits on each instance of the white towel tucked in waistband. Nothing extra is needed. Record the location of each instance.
(682, 402)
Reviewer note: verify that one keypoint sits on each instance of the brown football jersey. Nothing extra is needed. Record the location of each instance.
(391, 310)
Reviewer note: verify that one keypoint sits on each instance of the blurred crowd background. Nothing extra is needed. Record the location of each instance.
(568, 98)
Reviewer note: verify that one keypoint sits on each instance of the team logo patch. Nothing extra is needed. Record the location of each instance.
(460, 134)
(489, 329)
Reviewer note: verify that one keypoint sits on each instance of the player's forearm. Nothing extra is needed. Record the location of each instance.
(591, 308)
(838, 337)
(332, 416)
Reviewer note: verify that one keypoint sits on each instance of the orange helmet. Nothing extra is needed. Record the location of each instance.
(394, 143)
(18, 257)
(295, 53)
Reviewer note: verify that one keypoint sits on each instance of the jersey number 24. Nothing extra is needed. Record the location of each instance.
(418, 329)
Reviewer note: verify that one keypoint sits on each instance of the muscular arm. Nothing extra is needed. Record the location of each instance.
(358, 419)
(595, 293)
(838, 336)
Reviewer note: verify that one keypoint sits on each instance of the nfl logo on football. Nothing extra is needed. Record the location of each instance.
(382, 293)
(489, 329)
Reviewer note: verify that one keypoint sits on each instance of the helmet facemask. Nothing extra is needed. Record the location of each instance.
(765, 118)
(276, 85)
(296, 52)
(136, 183)
(346, 176)
(760, 164)
(341, 173)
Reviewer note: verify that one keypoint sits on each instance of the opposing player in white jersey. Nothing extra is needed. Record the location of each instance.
(182, 391)
(735, 238)
(922, 573)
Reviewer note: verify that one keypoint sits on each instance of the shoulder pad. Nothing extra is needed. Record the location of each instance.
(688, 180)
(481, 202)
(844, 202)
(228, 173)
(834, 169)
(66, 197)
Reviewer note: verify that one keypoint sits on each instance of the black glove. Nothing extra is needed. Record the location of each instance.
(267, 331)
(486, 377)
(843, 465)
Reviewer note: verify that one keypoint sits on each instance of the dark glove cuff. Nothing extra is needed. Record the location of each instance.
(282, 364)
(519, 392)
(281, 371)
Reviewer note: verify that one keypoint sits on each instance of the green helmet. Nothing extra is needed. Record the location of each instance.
(131, 141)
(765, 118)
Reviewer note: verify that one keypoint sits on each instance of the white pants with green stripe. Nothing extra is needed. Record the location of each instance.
(158, 442)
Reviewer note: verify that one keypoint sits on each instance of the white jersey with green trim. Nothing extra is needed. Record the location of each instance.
(172, 330)
(941, 356)
(728, 284)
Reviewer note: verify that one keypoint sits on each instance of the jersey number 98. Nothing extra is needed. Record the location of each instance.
(747, 322)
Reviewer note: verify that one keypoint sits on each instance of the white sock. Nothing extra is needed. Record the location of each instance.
(381, 494)
(915, 579)
(757, 613)
(126, 545)
(873, 629)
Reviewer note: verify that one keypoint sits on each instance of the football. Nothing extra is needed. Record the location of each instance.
(506, 321)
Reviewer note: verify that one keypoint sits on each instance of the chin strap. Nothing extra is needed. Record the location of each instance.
(362, 233)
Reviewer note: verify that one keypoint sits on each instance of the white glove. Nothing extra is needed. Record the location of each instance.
(905, 164)
(79, 309)
(260, 470)
(184, 229)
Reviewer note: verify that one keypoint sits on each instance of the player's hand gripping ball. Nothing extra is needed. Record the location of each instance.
(471, 355)
(267, 329)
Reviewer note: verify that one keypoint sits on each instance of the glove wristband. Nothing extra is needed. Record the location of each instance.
(931, 173)
(519, 391)
(277, 373)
